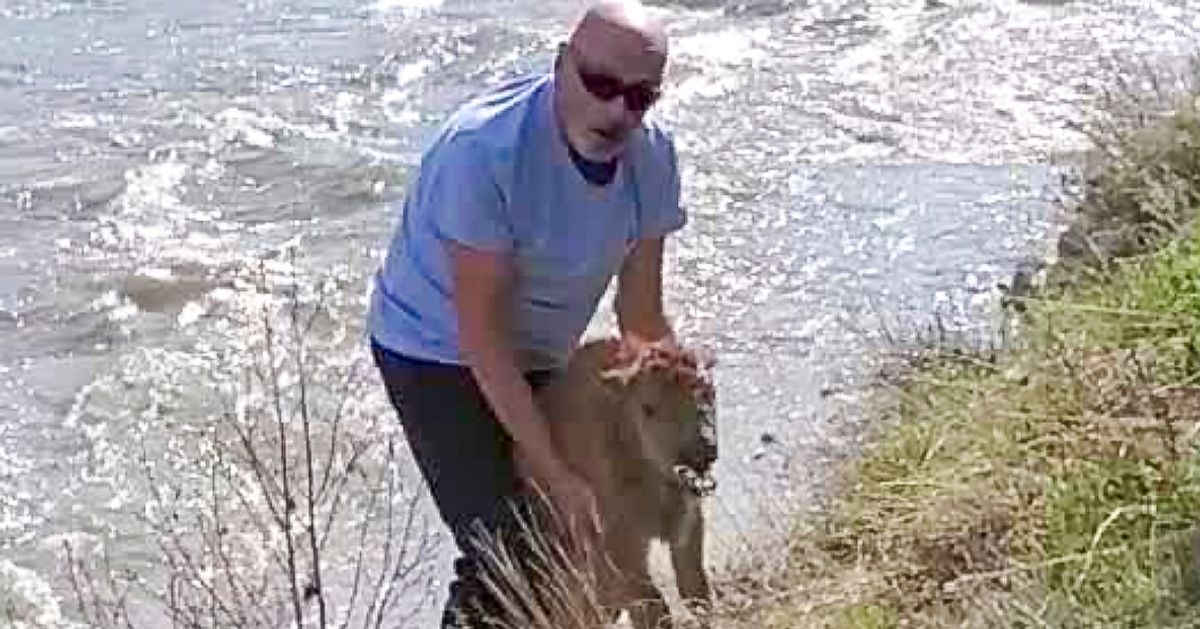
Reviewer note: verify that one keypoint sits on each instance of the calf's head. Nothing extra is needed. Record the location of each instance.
(668, 403)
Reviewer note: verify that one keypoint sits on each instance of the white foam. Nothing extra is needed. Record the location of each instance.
(28, 601)
(161, 274)
(405, 6)
(13, 466)
(411, 72)
(153, 187)
(729, 46)
(190, 314)
(705, 87)
(398, 109)
(987, 81)
(72, 120)
(249, 127)
(153, 223)
(722, 57)
(150, 211)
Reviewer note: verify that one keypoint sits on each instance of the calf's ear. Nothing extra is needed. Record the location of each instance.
(621, 367)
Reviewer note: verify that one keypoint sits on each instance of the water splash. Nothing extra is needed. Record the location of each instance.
(28, 601)
(409, 7)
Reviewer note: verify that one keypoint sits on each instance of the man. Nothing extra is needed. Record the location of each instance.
(530, 200)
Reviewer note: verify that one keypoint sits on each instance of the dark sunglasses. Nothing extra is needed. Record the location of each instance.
(638, 97)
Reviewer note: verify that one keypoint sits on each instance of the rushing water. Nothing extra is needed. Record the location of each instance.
(850, 167)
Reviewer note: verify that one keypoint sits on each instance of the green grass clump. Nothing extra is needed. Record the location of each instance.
(869, 617)
(1057, 484)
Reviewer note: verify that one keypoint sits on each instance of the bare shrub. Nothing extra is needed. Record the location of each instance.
(272, 492)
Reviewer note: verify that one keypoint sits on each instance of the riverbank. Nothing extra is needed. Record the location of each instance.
(1053, 482)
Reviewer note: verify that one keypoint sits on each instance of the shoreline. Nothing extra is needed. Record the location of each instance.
(1051, 479)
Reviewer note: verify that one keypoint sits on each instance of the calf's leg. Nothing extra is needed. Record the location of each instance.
(648, 609)
(631, 584)
(687, 559)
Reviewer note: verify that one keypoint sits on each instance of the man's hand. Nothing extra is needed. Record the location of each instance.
(632, 344)
(577, 513)
(570, 498)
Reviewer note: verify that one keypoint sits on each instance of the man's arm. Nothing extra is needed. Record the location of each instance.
(473, 224)
(483, 296)
(483, 299)
(639, 302)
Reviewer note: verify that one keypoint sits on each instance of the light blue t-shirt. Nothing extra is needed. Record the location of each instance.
(499, 177)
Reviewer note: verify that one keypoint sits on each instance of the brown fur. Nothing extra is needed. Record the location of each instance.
(625, 432)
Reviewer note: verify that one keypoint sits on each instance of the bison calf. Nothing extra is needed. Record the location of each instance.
(641, 430)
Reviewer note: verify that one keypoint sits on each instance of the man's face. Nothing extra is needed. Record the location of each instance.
(608, 82)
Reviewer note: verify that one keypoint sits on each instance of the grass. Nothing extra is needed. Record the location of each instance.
(1055, 483)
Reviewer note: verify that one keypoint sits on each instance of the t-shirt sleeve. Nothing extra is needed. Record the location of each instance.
(659, 189)
(465, 199)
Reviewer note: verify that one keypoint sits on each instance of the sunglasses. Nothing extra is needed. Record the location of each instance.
(639, 97)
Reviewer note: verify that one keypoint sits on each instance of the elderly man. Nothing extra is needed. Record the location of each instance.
(530, 200)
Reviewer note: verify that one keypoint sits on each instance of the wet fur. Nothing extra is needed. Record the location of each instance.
(639, 497)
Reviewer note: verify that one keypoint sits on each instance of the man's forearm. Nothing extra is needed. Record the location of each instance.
(482, 298)
(512, 400)
(650, 325)
(638, 303)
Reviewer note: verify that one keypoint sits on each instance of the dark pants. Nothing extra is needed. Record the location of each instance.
(466, 458)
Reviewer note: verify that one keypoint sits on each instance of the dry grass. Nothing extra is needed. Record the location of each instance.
(1147, 145)
(540, 585)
